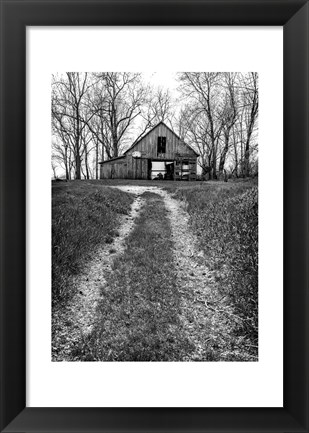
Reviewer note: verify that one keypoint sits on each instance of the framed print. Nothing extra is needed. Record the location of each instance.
(176, 351)
(230, 45)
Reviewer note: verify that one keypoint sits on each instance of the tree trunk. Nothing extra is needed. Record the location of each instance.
(54, 171)
(235, 155)
(67, 173)
(223, 154)
(77, 167)
(246, 160)
(70, 164)
(115, 145)
(77, 150)
(214, 167)
(66, 163)
(247, 150)
(209, 167)
(97, 160)
(86, 165)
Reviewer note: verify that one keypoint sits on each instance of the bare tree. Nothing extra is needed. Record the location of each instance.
(195, 129)
(204, 89)
(221, 119)
(87, 144)
(62, 145)
(121, 99)
(68, 103)
(161, 105)
(251, 107)
(158, 107)
(54, 167)
(99, 122)
(229, 114)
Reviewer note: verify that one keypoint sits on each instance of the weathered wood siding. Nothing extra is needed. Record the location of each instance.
(114, 169)
(137, 168)
(127, 168)
(149, 144)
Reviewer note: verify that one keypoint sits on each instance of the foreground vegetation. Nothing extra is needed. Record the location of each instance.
(84, 215)
(225, 219)
(141, 301)
(143, 315)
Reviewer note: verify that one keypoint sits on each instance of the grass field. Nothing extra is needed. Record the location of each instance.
(140, 307)
(84, 215)
(140, 311)
(225, 219)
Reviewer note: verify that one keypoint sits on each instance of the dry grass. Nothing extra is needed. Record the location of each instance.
(84, 215)
(141, 302)
(225, 219)
(141, 307)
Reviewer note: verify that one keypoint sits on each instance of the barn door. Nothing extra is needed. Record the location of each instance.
(140, 168)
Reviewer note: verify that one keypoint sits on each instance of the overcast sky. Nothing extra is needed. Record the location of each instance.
(162, 79)
(166, 80)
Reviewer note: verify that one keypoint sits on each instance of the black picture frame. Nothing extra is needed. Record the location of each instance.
(15, 16)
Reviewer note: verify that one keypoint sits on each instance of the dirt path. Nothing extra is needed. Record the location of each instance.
(72, 325)
(194, 280)
(193, 277)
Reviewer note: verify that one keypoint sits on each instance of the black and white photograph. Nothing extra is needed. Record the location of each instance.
(154, 179)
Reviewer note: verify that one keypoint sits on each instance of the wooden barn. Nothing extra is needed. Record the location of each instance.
(159, 154)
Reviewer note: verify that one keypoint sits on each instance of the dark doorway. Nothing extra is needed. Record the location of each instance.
(149, 168)
(169, 175)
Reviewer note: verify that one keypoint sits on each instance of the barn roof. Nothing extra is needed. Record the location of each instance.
(133, 145)
(112, 159)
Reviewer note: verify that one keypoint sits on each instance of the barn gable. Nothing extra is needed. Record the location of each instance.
(174, 143)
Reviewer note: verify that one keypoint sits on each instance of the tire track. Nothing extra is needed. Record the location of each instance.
(71, 324)
(194, 280)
